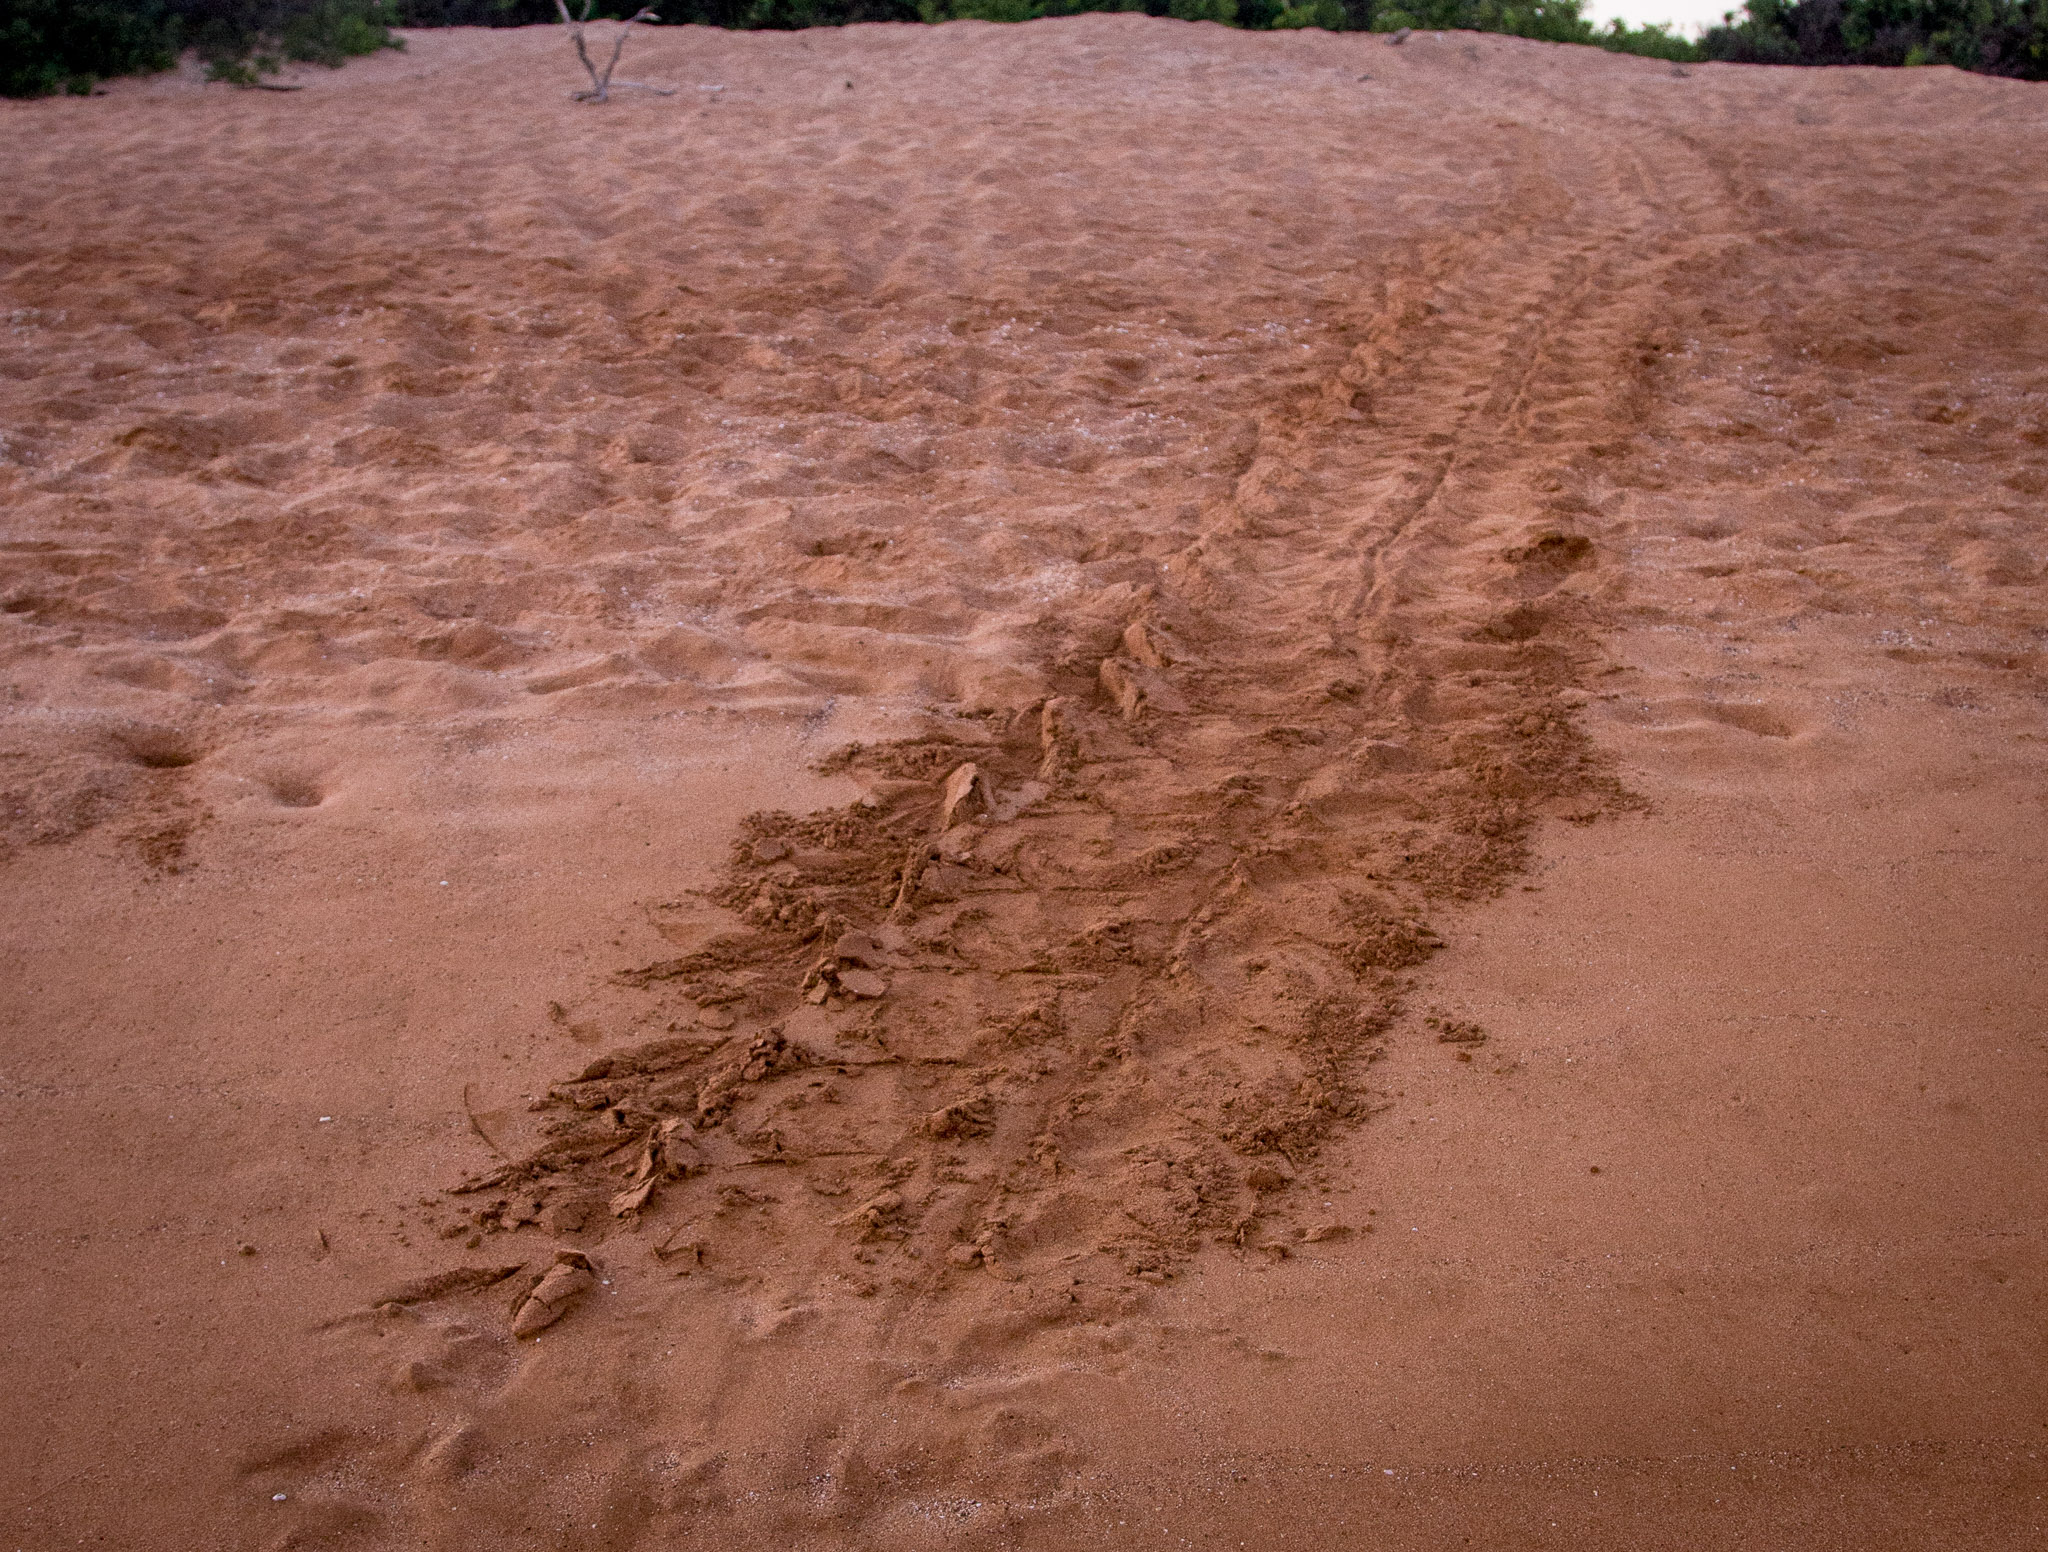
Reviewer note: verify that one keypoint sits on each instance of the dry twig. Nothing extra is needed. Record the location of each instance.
(601, 82)
(478, 1127)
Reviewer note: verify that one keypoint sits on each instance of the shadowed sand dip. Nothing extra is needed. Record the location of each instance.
(1093, 784)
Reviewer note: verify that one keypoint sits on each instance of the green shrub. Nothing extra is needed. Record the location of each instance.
(1996, 37)
(1653, 40)
(65, 45)
(242, 39)
(479, 13)
(330, 31)
(1554, 21)
(982, 11)
(1326, 14)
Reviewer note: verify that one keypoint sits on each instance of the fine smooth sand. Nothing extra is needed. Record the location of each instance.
(1095, 784)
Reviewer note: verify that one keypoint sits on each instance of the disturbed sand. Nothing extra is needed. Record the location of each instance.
(1485, 985)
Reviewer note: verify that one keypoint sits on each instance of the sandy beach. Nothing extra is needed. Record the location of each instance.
(1094, 784)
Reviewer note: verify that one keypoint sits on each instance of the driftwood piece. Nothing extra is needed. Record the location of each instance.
(601, 82)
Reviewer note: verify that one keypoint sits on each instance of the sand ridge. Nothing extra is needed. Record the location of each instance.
(1155, 499)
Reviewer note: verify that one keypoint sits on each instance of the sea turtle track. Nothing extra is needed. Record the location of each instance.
(1079, 986)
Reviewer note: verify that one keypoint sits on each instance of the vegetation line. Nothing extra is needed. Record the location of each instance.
(49, 46)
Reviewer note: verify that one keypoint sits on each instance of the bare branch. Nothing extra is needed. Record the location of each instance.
(601, 81)
(575, 27)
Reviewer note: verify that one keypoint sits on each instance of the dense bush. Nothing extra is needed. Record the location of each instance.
(66, 45)
(1998, 37)
(241, 39)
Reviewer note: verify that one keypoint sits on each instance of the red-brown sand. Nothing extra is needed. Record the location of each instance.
(1104, 784)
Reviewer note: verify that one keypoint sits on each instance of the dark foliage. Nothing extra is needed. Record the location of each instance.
(66, 45)
(1996, 37)
(241, 39)
(492, 13)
